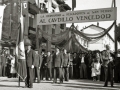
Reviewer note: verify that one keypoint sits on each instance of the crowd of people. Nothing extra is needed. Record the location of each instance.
(7, 64)
(62, 65)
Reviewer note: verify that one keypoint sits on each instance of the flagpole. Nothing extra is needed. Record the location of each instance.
(73, 6)
(18, 33)
(115, 33)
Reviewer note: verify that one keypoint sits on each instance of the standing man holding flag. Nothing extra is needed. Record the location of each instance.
(25, 58)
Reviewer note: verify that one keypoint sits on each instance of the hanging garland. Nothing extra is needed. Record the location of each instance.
(81, 47)
(98, 35)
(94, 41)
(56, 37)
(93, 35)
(104, 33)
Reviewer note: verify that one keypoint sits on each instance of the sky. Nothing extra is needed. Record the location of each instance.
(95, 4)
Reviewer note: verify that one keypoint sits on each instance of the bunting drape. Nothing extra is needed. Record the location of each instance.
(99, 35)
(56, 38)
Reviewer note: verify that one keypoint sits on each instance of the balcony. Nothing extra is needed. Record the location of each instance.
(33, 9)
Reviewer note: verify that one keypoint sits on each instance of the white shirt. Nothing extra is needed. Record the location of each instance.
(82, 60)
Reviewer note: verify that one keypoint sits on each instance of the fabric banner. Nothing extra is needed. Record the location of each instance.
(20, 51)
(56, 38)
(91, 15)
(1, 19)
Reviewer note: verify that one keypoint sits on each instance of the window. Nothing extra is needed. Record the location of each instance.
(44, 27)
(30, 22)
(31, 18)
(62, 26)
(53, 31)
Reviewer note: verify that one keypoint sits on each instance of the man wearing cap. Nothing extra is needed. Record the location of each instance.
(30, 58)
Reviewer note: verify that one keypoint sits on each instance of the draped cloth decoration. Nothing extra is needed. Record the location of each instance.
(56, 38)
(78, 44)
(75, 45)
(94, 36)
(94, 40)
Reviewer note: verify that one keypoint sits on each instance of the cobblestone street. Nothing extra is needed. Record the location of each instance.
(12, 84)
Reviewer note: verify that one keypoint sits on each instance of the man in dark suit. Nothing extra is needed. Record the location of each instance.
(3, 58)
(110, 72)
(75, 63)
(66, 62)
(38, 62)
(49, 66)
(57, 61)
(83, 67)
(30, 58)
(44, 66)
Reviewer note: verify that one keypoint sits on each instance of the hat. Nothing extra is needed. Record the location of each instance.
(27, 44)
(36, 50)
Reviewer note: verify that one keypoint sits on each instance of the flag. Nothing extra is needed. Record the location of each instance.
(20, 50)
(1, 19)
(73, 4)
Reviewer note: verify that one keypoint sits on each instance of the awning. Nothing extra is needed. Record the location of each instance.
(60, 2)
(66, 6)
(33, 9)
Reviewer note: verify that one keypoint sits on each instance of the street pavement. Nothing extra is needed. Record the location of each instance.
(12, 84)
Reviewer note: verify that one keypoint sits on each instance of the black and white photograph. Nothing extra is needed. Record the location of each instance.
(60, 45)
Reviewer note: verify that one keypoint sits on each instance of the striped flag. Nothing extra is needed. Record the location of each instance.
(20, 50)
(73, 4)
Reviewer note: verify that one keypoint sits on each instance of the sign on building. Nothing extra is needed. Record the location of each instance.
(93, 15)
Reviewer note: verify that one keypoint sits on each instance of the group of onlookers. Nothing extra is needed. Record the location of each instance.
(7, 64)
(95, 65)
